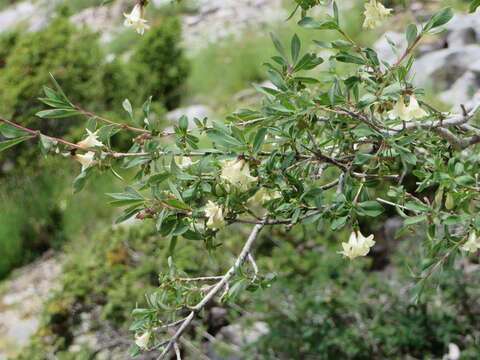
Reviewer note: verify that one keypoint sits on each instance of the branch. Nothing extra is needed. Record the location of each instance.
(36, 134)
(215, 290)
(439, 127)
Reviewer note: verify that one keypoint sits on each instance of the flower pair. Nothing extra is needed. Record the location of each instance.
(407, 113)
(91, 141)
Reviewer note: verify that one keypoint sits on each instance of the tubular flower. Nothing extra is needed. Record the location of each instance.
(375, 13)
(135, 20)
(357, 245)
(91, 140)
(262, 196)
(143, 340)
(237, 173)
(184, 162)
(407, 113)
(214, 213)
(86, 160)
(472, 244)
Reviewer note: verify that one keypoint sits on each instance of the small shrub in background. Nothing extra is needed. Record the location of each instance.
(160, 65)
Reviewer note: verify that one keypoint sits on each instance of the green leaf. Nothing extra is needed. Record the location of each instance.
(9, 131)
(158, 178)
(411, 33)
(392, 90)
(259, 139)
(278, 46)
(54, 103)
(335, 12)
(129, 194)
(130, 202)
(308, 62)
(415, 206)
(296, 45)
(4, 145)
(177, 204)
(183, 123)
(362, 158)
(57, 113)
(191, 235)
(311, 23)
(127, 215)
(440, 18)
(349, 58)
(414, 219)
(366, 100)
(223, 139)
(277, 80)
(81, 180)
(61, 93)
(127, 106)
(474, 5)
(370, 208)
(46, 144)
(338, 223)
(146, 107)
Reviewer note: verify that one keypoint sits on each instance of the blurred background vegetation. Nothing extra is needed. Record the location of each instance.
(320, 306)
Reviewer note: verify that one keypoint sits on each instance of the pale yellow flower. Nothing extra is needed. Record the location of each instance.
(184, 162)
(472, 244)
(86, 160)
(135, 20)
(91, 140)
(407, 113)
(143, 340)
(262, 196)
(375, 13)
(357, 245)
(214, 213)
(237, 173)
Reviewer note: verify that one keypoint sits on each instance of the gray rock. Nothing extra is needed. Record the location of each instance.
(445, 66)
(463, 29)
(385, 50)
(198, 111)
(242, 335)
(462, 90)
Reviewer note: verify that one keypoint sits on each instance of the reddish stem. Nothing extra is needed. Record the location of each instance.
(36, 133)
(124, 126)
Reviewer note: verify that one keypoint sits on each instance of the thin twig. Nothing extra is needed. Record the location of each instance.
(252, 262)
(177, 351)
(215, 290)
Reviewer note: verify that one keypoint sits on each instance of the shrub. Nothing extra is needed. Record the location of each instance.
(73, 56)
(160, 64)
(338, 311)
(105, 274)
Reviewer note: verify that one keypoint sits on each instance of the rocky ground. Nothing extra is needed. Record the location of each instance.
(21, 299)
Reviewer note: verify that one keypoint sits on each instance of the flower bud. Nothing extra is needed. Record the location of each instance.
(449, 202)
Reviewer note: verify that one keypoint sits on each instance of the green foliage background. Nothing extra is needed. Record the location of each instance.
(31, 220)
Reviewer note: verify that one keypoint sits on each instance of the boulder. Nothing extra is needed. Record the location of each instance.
(388, 52)
(462, 89)
(192, 111)
(446, 66)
